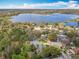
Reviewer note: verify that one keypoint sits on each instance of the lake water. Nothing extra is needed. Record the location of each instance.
(71, 24)
(38, 18)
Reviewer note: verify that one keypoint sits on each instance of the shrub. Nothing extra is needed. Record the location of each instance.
(18, 57)
(51, 51)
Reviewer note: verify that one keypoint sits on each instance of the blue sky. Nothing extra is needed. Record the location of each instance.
(39, 4)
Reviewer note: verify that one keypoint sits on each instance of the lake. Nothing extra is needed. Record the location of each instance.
(38, 18)
(71, 24)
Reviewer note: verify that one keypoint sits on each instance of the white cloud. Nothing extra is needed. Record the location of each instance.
(45, 4)
(73, 5)
(67, 5)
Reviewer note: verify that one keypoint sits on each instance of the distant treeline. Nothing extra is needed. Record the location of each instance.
(11, 12)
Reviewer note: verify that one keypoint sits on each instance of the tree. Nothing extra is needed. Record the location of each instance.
(52, 36)
(76, 42)
(18, 57)
(18, 34)
(37, 56)
(23, 53)
(51, 52)
(72, 34)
